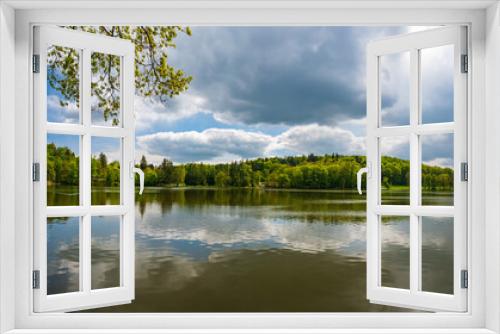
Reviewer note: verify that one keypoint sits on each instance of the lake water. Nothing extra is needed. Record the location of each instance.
(251, 250)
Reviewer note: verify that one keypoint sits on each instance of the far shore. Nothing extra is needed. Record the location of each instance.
(395, 189)
(172, 187)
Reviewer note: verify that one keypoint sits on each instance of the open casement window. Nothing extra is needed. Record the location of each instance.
(400, 120)
(83, 120)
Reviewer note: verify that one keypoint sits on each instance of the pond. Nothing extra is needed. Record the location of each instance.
(251, 250)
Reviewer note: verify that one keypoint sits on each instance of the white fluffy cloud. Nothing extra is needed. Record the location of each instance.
(222, 145)
(61, 114)
(150, 112)
(208, 145)
(318, 139)
(441, 162)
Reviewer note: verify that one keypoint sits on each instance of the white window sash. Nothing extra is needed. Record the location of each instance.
(415, 297)
(86, 297)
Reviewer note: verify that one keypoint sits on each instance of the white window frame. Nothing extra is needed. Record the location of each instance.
(85, 297)
(16, 20)
(412, 43)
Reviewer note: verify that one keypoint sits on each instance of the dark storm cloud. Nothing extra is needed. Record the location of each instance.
(279, 74)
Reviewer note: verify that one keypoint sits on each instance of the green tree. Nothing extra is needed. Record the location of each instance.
(179, 175)
(166, 172)
(311, 172)
(154, 76)
(221, 179)
(103, 160)
(150, 177)
(144, 163)
(283, 181)
(113, 174)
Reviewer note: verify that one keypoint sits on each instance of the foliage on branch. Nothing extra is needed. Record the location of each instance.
(154, 76)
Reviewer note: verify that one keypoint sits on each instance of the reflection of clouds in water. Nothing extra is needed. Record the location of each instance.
(58, 265)
(62, 255)
(181, 270)
(437, 233)
(234, 226)
(395, 233)
(105, 254)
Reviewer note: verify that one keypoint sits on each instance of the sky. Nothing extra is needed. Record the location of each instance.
(277, 91)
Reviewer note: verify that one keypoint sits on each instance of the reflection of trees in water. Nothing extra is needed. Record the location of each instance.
(105, 195)
(293, 201)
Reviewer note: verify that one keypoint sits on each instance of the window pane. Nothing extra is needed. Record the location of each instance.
(437, 169)
(105, 90)
(63, 255)
(395, 251)
(395, 89)
(437, 84)
(106, 158)
(105, 252)
(395, 170)
(437, 254)
(63, 85)
(63, 170)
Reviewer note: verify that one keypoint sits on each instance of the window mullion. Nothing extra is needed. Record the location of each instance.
(85, 161)
(414, 172)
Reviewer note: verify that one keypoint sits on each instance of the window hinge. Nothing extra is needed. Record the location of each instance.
(465, 63)
(464, 171)
(464, 279)
(36, 171)
(36, 279)
(36, 63)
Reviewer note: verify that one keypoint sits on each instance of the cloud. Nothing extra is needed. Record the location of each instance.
(440, 162)
(207, 145)
(398, 147)
(437, 84)
(319, 139)
(437, 149)
(223, 145)
(309, 80)
(62, 114)
(395, 88)
(279, 75)
(150, 112)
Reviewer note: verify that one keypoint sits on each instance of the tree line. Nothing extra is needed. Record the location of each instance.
(62, 168)
(329, 171)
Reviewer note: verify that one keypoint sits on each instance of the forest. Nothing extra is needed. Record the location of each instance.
(329, 171)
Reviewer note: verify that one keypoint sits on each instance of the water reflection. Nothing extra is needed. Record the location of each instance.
(63, 252)
(205, 250)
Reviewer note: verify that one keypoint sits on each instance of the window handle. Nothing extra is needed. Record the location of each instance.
(360, 174)
(141, 178)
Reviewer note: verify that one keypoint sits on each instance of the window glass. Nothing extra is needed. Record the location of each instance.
(106, 92)
(105, 252)
(395, 170)
(106, 161)
(437, 169)
(437, 254)
(436, 77)
(395, 89)
(63, 255)
(63, 84)
(395, 251)
(63, 170)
